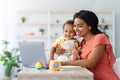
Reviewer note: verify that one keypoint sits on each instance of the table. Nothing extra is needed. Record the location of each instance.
(64, 74)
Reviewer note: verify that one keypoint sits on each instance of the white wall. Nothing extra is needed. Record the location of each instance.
(45, 5)
(54, 4)
(107, 5)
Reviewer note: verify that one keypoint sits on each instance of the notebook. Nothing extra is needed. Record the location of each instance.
(32, 52)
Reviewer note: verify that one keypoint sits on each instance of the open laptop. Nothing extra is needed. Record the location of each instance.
(32, 52)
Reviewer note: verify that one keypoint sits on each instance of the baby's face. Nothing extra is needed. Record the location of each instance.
(68, 31)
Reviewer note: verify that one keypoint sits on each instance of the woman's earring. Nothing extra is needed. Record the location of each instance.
(89, 27)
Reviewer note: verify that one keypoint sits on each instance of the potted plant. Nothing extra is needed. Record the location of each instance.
(103, 28)
(9, 60)
(42, 30)
(23, 19)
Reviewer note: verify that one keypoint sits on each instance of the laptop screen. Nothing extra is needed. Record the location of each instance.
(31, 53)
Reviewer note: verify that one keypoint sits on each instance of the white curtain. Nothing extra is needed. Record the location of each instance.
(3, 20)
(8, 29)
(3, 27)
(7, 24)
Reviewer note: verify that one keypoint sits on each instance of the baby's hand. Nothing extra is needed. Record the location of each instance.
(75, 51)
(79, 49)
(75, 55)
(60, 50)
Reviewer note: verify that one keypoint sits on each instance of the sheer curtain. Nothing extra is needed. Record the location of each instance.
(3, 20)
(8, 29)
(7, 24)
(3, 27)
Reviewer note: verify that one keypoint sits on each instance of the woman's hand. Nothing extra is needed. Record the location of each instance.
(63, 63)
(60, 51)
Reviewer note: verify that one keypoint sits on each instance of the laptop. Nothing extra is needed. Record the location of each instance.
(31, 53)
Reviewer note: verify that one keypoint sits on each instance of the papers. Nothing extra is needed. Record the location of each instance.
(71, 67)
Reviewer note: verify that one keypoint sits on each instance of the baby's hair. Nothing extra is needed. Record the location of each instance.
(68, 22)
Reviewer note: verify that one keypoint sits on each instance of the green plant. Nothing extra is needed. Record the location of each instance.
(23, 19)
(103, 28)
(9, 58)
(42, 30)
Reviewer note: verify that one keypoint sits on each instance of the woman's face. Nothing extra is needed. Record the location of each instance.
(81, 27)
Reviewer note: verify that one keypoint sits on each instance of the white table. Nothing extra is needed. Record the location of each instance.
(63, 74)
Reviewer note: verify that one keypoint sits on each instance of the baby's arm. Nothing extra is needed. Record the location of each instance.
(52, 53)
(51, 56)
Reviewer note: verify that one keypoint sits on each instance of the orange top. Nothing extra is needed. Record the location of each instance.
(103, 69)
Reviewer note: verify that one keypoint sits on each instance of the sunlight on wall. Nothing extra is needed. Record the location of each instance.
(3, 33)
(2, 27)
(8, 21)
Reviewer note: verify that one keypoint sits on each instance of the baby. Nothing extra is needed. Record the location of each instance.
(68, 42)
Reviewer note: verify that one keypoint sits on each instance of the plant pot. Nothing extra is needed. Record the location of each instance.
(42, 33)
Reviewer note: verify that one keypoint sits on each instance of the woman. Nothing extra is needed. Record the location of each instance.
(96, 50)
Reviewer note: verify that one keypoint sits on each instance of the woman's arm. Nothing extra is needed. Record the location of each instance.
(93, 58)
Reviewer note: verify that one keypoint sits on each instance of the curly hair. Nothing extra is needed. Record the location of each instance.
(90, 18)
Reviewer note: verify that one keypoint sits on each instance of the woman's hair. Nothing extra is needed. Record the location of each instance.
(68, 22)
(90, 18)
